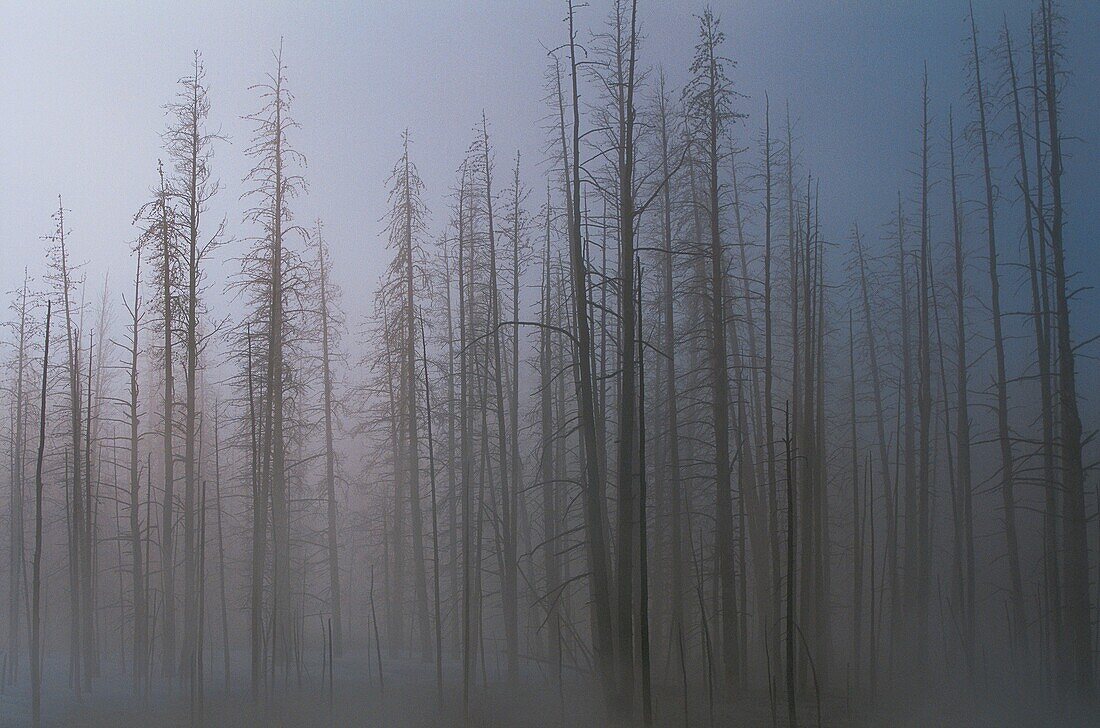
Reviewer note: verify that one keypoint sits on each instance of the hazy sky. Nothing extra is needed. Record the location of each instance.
(82, 88)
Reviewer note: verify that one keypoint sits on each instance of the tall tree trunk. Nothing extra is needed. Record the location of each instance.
(674, 482)
(36, 564)
(594, 507)
(413, 472)
(259, 531)
(221, 547)
(332, 531)
(627, 518)
(890, 554)
(547, 465)
(1075, 524)
(141, 623)
(911, 534)
(643, 538)
(513, 414)
(1008, 467)
(435, 522)
(924, 396)
(1037, 277)
(857, 524)
(791, 627)
(962, 415)
(76, 519)
(719, 376)
(509, 576)
(466, 456)
(167, 520)
(17, 574)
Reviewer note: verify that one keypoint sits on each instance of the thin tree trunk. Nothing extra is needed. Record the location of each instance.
(17, 574)
(221, 548)
(962, 416)
(138, 569)
(415, 520)
(925, 474)
(598, 564)
(792, 709)
(332, 532)
(1075, 523)
(1008, 468)
(507, 500)
(643, 546)
(890, 554)
(435, 521)
(857, 534)
(36, 567)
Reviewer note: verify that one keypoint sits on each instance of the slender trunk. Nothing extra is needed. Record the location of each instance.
(467, 461)
(792, 710)
(513, 419)
(191, 325)
(415, 520)
(221, 548)
(594, 507)
(167, 520)
(435, 521)
(1075, 524)
(1008, 467)
(627, 518)
(547, 465)
(36, 567)
(962, 416)
(17, 574)
(769, 390)
(908, 506)
(332, 533)
(259, 533)
(720, 393)
(925, 473)
(138, 569)
(1042, 350)
(674, 482)
(857, 535)
(643, 546)
(890, 554)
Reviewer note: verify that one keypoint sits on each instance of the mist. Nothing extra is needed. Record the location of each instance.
(549, 364)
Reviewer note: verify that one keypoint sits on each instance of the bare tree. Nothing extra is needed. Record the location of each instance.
(36, 563)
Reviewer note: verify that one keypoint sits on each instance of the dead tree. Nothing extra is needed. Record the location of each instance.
(924, 399)
(1075, 531)
(709, 98)
(23, 329)
(1040, 321)
(271, 183)
(1004, 437)
(189, 145)
(80, 556)
(890, 555)
(594, 501)
(160, 237)
(328, 321)
(962, 416)
(133, 420)
(405, 225)
(36, 563)
(674, 482)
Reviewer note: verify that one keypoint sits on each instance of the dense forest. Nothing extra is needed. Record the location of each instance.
(635, 431)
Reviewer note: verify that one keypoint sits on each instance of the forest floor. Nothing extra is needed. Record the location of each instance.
(409, 700)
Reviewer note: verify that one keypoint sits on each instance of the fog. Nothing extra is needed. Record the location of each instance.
(430, 364)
